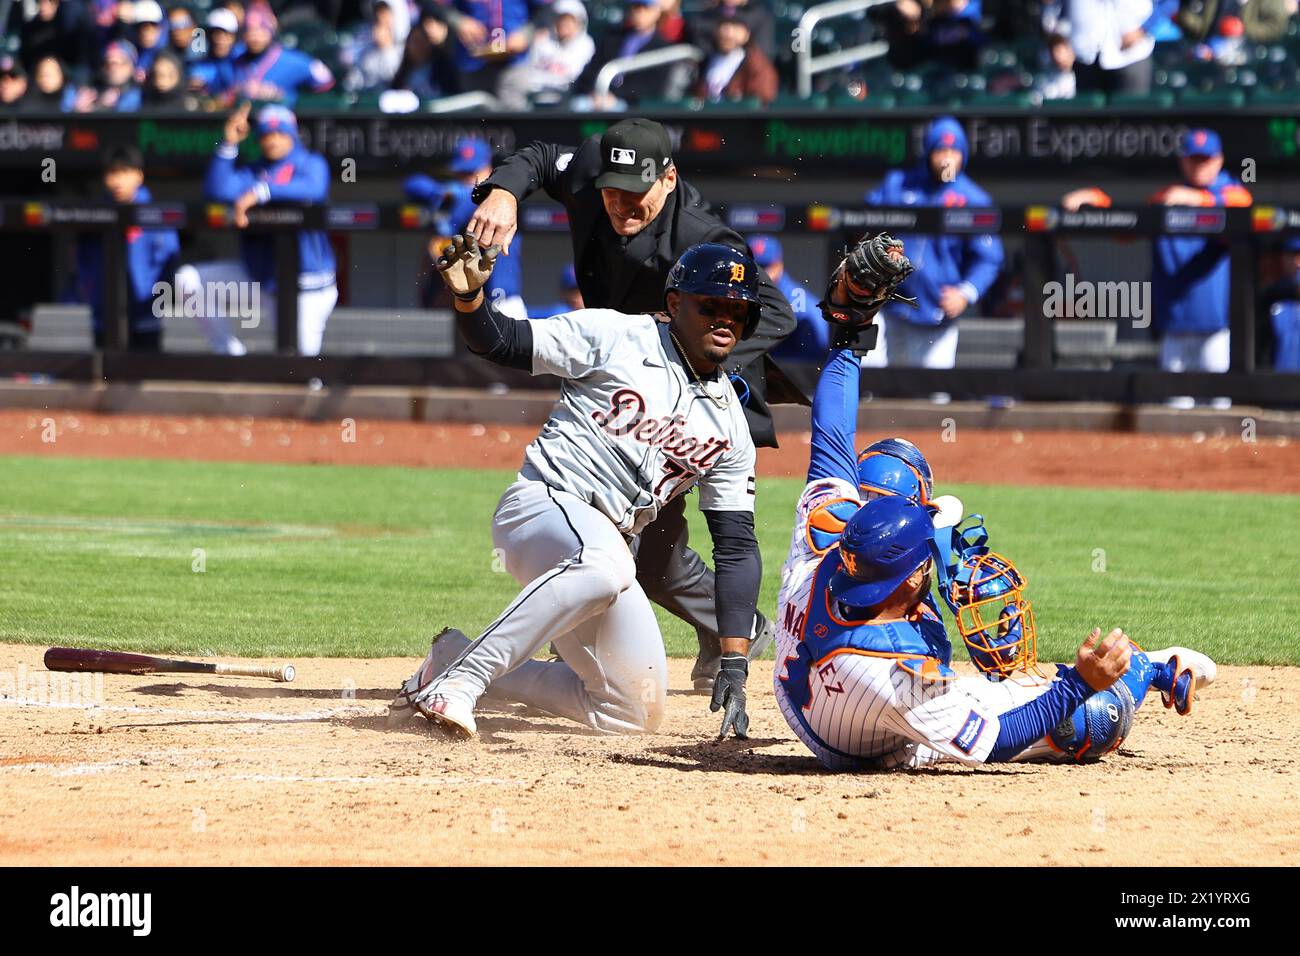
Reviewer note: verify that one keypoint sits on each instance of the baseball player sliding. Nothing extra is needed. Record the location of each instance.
(863, 675)
(646, 413)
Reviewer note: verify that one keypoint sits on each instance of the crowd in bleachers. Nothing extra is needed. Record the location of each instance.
(127, 55)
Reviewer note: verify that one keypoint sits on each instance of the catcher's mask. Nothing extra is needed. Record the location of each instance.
(717, 271)
(994, 617)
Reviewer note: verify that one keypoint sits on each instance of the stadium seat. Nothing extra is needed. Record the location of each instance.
(749, 104)
(1224, 99)
(1155, 100)
(321, 103)
(652, 104)
(1082, 102)
(1263, 96)
(793, 101)
(985, 101)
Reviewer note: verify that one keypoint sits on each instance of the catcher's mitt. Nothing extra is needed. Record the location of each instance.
(867, 278)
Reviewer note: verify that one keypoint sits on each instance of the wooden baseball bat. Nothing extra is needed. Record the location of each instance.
(119, 662)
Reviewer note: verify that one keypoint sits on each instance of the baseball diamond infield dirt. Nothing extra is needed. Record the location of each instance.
(170, 769)
(208, 770)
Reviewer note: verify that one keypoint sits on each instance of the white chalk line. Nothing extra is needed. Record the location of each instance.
(319, 714)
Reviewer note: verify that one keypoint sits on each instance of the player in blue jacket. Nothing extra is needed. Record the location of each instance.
(570, 296)
(287, 172)
(1190, 274)
(152, 256)
(864, 674)
(811, 337)
(470, 164)
(953, 271)
(270, 72)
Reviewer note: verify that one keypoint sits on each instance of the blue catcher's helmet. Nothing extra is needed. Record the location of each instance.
(884, 542)
(879, 470)
(1097, 726)
(718, 271)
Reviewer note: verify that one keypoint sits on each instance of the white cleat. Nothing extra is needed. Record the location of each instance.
(449, 712)
(1201, 666)
(446, 647)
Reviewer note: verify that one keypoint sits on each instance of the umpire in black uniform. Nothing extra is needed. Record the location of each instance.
(630, 218)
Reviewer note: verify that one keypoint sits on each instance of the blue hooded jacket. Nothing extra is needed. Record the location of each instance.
(1190, 274)
(969, 262)
(302, 176)
(152, 256)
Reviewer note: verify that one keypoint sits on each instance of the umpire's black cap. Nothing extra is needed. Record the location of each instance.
(634, 153)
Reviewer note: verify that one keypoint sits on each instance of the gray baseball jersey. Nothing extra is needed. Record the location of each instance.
(633, 429)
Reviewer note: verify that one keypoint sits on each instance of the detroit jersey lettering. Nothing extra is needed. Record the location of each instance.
(864, 708)
(632, 429)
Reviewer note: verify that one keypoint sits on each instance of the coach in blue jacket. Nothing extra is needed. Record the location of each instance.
(152, 256)
(1190, 274)
(286, 172)
(952, 272)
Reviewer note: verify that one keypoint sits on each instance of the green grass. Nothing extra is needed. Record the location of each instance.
(369, 562)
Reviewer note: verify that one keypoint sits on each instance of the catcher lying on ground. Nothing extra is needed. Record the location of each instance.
(863, 675)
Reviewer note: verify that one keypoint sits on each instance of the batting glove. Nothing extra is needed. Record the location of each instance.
(729, 692)
(465, 266)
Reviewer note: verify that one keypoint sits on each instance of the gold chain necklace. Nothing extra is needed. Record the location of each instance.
(721, 403)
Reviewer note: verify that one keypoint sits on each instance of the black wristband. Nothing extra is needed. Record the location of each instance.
(468, 296)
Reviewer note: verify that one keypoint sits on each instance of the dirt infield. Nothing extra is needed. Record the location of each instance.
(198, 770)
(179, 770)
(1086, 459)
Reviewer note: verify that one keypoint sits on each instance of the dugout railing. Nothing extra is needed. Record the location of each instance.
(1245, 232)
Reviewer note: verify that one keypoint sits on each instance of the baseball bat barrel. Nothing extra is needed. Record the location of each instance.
(121, 662)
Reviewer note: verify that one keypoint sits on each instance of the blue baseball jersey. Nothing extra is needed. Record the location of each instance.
(152, 256)
(502, 18)
(279, 75)
(812, 336)
(217, 73)
(302, 176)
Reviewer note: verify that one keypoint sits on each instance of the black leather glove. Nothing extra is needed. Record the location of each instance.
(871, 274)
(729, 692)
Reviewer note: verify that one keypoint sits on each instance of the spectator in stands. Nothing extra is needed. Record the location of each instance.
(148, 36)
(1112, 40)
(1190, 274)
(214, 73)
(1282, 301)
(810, 340)
(49, 91)
(429, 58)
(570, 297)
(452, 206)
(1262, 21)
(956, 270)
(267, 71)
(702, 28)
(287, 171)
(181, 35)
(952, 34)
(672, 25)
(116, 90)
(379, 54)
(164, 86)
(736, 69)
(13, 83)
(58, 30)
(556, 59)
(152, 256)
(491, 36)
(637, 34)
(1058, 82)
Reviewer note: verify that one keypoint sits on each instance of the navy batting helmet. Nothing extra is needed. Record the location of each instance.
(718, 271)
(883, 543)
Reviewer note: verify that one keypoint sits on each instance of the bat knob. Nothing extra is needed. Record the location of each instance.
(288, 673)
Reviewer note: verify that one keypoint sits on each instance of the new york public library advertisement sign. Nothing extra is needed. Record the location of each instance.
(829, 141)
